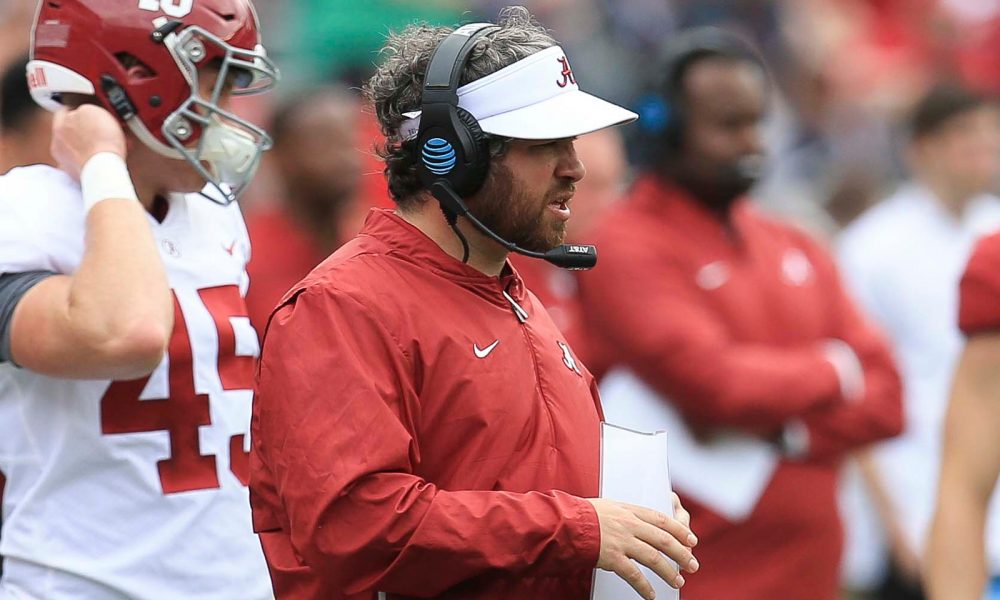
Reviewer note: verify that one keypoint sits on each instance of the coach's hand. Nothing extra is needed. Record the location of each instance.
(681, 513)
(80, 133)
(630, 532)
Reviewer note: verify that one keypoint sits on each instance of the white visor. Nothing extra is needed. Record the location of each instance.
(536, 98)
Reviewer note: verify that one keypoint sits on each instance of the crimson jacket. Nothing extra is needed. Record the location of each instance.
(417, 432)
(559, 293)
(979, 304)
(729, 322)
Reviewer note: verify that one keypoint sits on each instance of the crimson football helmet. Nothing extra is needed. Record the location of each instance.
(90, 47)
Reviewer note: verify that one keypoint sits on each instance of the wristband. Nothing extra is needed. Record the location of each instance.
(103, 177)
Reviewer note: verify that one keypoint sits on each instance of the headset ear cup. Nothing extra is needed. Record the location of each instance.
(673, 133)
(671, 92)
(470, 179)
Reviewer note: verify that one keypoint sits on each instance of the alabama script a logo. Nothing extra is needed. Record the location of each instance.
(567, 73)
(568, 359)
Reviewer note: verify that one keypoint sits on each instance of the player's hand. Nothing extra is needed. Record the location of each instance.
(630, 532)
(80, 133)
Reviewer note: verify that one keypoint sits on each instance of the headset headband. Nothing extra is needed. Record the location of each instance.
(444, 73)
(700, 43)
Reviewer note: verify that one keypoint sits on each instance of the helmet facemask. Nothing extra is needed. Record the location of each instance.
(221, 146)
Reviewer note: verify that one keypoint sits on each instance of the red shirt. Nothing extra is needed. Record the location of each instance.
(979, 308)
(730, 323)
(413, 435)
(282, 254)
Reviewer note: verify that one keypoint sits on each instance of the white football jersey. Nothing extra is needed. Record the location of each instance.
(133, 489)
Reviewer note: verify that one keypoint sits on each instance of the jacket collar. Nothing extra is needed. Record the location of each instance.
(405, 242)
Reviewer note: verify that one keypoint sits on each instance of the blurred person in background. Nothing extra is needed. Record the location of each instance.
(317, 168)
(25, 127)
(903, 259)
(604, 153)
(957, 567)
(733, 331)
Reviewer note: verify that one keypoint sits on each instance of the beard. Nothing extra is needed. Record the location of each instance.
(509, 211)
(719, 186)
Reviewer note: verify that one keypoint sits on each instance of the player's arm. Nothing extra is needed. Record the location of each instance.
(113, 317)
(956, 564)
(876, 413)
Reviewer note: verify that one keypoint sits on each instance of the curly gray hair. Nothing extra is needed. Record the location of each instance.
(396, 86)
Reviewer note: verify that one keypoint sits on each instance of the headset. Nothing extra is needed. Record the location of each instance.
(661, 110)
(454, 156)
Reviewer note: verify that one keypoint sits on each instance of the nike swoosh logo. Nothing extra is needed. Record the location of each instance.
(229, 249)
(483, 353)
(712, 276)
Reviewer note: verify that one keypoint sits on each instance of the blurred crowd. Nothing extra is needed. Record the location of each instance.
(878, 106)
(848, 70)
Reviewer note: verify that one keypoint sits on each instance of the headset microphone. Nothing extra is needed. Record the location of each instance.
(573, 257)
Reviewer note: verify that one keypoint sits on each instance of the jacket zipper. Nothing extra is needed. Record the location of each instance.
(519, 312)
(522, 317)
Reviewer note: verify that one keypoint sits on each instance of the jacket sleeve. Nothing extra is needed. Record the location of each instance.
(336, 416)
(657, 323)
(878, 414)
